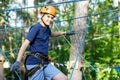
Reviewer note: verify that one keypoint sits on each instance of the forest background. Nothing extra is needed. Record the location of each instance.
(97, 43)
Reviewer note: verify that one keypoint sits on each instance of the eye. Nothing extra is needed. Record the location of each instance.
(52, 17)
(49, 16)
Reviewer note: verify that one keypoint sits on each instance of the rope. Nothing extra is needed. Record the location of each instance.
(78, 54)
(115, 16)
(84, 74)
(74, 49)
(17, 9)
(66, 20)
(80, 49)
(18, 75)
(3, 53)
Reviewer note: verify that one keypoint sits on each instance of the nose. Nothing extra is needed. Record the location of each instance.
(51, 19)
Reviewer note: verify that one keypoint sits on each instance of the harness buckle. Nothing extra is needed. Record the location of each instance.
(40, 56)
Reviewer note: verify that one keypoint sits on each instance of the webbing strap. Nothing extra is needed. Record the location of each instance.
(34, 69)
(38, 55)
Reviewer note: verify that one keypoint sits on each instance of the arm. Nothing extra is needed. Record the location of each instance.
(16, 65)
(56, 34)
(22, 50)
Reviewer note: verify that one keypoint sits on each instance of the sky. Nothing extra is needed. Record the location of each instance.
(13, 15)
(30, 3)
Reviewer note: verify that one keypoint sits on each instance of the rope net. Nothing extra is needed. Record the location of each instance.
(15, 35)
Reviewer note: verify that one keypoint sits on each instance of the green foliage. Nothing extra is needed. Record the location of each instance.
(26, 17)
(3, 16)
(102, 48)
(59, 51)
(59, 47)
(102, 45)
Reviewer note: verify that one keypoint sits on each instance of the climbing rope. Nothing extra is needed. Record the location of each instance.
(78, 52)
(83, 39)
(54, 4)
(4, 54)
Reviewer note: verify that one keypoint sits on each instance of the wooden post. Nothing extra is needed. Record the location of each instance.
(1, 44)
(36, 10)
(1, 67)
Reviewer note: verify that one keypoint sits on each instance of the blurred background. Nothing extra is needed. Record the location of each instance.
(92, 54)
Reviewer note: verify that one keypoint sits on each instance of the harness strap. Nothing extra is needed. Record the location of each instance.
(34, 69)
(39, 55)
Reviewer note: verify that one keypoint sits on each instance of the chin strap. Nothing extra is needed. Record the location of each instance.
(43, 21)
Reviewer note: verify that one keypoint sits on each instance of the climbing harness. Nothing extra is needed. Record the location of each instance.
(34, 69)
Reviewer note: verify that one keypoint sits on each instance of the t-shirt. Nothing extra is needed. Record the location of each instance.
(39, 40)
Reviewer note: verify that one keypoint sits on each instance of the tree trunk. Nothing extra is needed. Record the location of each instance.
(10, 43)
(81, 9)
(1, 66)
(36, 10)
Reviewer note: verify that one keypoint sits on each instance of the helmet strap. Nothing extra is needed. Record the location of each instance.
(43, 20)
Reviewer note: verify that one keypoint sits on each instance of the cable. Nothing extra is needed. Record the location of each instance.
(83, 74)
(78, 54)
(17, 9)
(3, 53)
(67, 20)
(22, 27)
(75, 51)
(18, 75)
(89, 15)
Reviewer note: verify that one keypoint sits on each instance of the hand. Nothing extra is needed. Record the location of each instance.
(50, 59)
(15, 66)
(72, 32)
(57, 64)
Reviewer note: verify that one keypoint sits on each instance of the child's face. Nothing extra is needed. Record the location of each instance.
(48, 19)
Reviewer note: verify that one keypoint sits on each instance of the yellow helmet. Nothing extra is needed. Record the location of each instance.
(49, 10)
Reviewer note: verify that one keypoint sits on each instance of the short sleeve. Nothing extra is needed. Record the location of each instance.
(32, 33)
